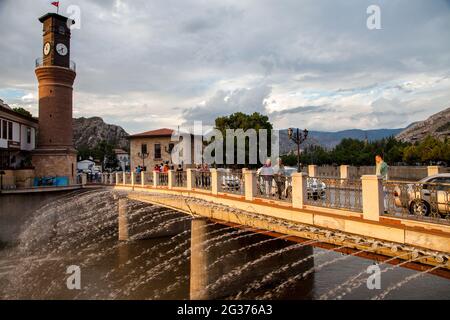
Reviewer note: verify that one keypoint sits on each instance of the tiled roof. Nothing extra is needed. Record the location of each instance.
(154, 133)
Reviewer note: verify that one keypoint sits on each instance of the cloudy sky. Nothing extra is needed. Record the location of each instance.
(145, 64)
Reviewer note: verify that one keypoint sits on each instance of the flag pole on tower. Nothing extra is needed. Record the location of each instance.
(56, 4)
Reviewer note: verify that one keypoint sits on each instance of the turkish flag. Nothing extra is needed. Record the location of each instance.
(56, 3)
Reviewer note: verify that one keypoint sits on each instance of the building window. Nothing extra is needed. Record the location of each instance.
(28, 135)
(157, 151)
(144, 148)
(10, 130)
(171, 146)
(4, 130)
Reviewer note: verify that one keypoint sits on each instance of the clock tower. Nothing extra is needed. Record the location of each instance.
(55, 155)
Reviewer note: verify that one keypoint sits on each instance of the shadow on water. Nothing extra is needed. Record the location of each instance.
(173, 256)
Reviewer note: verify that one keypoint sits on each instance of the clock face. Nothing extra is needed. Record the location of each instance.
(62, 49)
(47, 48)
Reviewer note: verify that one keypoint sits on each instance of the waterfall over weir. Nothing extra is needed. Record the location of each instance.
(171, 255)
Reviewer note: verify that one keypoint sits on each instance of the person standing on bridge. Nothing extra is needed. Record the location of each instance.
(381, 167)
(267, 176)
(279, 175)
(382, 170)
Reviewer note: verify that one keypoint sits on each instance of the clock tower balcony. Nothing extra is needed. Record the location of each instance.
(40, 63)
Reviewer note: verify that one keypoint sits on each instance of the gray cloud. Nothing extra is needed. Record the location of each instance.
(227, 102)
(139, 61)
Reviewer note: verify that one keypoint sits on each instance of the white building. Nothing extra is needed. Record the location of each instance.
(85, 165)
(17, 138)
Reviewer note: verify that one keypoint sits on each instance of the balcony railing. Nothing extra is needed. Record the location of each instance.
(40, 63)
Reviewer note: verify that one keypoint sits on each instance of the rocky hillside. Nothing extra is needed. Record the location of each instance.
(438, 125)
(91, 131)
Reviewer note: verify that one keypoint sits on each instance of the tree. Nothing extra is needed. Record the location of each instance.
(104, 152)
(23, 112)
(244, 121)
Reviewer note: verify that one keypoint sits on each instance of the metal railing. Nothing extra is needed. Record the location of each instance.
(231, 182)
(419, 201)
(344, 194)
(148, 178)
(127, 178)
(276, 187)
(39, 62)
(180, 179)
(163, 179)
(202, 180)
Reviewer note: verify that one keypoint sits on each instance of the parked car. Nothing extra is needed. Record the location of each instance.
(229, 181)
(429, 193)
(316, 189)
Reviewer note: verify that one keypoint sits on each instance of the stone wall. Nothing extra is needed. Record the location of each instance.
(64, 165)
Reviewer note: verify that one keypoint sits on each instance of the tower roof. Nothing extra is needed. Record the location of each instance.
(53, 15)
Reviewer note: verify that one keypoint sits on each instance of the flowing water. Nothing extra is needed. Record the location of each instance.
(171, 256)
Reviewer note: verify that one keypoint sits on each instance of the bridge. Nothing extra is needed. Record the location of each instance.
(356, 215)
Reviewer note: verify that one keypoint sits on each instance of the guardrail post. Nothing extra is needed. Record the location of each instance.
(171, 179)
(84, 179)
(312, 170)
(372, 197)
(250, 184)
(343, 174)
(155, 178)
(432, 170)
(133, 179)
(124, 178)
(190, 179)
(142, 178)
(117, 178)
(299, 189)
(214, 181)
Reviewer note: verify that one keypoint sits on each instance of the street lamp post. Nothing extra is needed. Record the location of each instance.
(143, 156)
(298, 138)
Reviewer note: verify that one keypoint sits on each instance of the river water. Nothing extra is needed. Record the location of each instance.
(171, 256)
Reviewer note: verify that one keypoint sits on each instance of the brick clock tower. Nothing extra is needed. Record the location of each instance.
(55, 155)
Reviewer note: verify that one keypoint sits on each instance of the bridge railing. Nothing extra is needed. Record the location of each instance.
(368, 196)
(334, 193)
(419, 201)
(163, 179)
(202, 180)
(276, 187)
(231, 181)
(180, 180)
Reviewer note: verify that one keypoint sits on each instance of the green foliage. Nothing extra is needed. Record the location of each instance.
(243, 121)
(104, 152)
(23, 112)
(357, 152)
